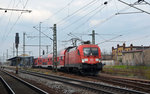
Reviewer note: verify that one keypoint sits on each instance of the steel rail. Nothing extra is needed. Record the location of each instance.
(125, 83)
(61, 79)
(28, 84)
(9, 90)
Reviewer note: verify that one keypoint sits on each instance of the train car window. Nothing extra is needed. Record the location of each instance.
(61, 58)
(44, 63)
(68, 50)
(78, 52)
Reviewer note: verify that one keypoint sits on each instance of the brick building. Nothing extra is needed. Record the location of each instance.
(117, 53)
(137, 57)
(133, 57)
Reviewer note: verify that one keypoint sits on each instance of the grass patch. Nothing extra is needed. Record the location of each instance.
(124, 70)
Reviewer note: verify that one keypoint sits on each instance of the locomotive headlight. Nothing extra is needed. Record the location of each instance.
(96, 59)
(83, 60)
(86, 59)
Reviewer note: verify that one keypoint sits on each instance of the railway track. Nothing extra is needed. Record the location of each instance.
(90, 86)
(16, 85)
(135, 84)
(4, 87)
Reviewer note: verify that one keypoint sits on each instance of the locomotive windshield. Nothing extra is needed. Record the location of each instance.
(90, 51)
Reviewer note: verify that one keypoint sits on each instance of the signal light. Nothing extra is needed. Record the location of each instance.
(17, 40)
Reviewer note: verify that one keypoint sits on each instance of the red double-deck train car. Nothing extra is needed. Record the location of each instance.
(84, 59)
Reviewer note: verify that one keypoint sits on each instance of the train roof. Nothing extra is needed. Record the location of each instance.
(61, 52)
(88, 45)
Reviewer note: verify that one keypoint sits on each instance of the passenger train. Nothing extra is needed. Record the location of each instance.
(84, 59)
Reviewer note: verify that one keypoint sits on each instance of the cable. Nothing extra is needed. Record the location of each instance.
(104, 3)
(8, 22)
(109, 39)
(90, 17)
(18, 3)
(85, 16)
(107, 19)
(85, 6)
(58, 11)
(25, 4)
(69, 5)
(131, 5)
(116, 6)
(4, 12)
(76, 11)
(4, 38)
(87, 20)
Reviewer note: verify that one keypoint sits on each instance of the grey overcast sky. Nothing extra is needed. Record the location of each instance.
(78, 17)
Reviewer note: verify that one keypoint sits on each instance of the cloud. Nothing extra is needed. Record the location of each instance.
(78, 3)
(36, 15)
(94, 22)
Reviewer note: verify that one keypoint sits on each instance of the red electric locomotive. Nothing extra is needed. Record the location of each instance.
(85, 59)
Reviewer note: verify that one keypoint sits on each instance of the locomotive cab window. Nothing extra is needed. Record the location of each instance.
(94, 51)
(90, 51)
(86, 51)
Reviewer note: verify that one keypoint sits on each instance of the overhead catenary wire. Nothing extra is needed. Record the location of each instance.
(4, 39)
(131, 5)
(118, 12)
(80, 25)
(85, 6)
(58, 11)
(97, 8)
(110, 18)
(93, 16)
(5, 13)
(7, 34)
(116, 6)
(18, 3)
(109, 39)
(107, 19)
(139, 38)
(146, 2)
(45, 34)
(7, 25)
(75, 12)
(87, 20)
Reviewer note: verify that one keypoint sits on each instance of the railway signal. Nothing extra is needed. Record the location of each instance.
(17, 44)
